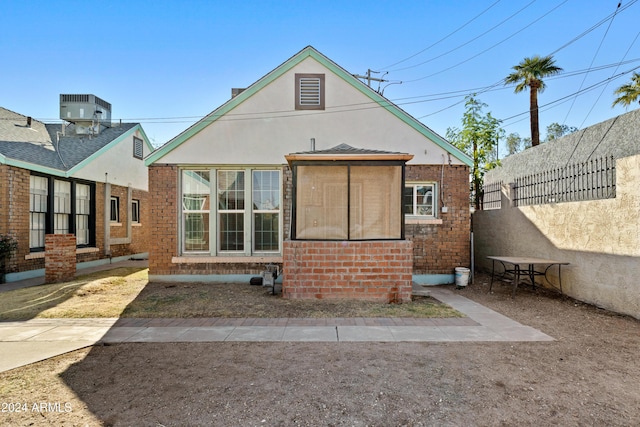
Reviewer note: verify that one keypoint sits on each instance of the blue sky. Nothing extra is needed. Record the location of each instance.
(166, 64)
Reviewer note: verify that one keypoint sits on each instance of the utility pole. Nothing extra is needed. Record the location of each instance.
(368, 77)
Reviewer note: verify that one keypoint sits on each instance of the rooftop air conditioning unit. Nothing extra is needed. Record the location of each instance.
(85, 109)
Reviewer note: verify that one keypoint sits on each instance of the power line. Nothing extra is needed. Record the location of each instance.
(601, 92)
(592, 61)
(444, 38)
(372, 104)
(468, 42)
(489, 48)
(625, 7)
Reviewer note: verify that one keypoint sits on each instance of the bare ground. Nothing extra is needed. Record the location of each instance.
(589, 376)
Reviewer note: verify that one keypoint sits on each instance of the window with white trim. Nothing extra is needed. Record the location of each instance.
(196, 196)
(61, 206)
(245, 218)
(83, 212)
(309, 91)
(114, 209)
(38, 201)
(135, 211)
(420, 199)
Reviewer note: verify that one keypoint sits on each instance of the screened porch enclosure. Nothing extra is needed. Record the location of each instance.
(348, 194)
(348, 202)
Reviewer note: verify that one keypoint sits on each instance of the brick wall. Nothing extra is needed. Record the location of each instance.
(439, 248)
(15, 215)
(378, 271)
(163, 190)
(14, 219)
(60, 257)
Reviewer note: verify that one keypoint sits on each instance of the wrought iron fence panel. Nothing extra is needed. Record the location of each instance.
(591, 180)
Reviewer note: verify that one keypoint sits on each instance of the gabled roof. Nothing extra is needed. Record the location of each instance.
(308, 52)
(42, 147)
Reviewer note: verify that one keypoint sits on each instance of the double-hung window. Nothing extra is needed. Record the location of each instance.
(231, 203)
(266, 210)
(135, 211)
(420, 199)
(61, 206)
(196, 196)
(114, 209)
(83, 212)
(38, 202)
(244, 218)
(58, 206)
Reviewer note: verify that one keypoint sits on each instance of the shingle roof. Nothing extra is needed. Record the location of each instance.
(43, 144)
(347, 149)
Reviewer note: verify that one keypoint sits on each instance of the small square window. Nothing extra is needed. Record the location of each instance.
(309, 92)
(420, 199)
(114, 215)
(135, 211)
(138, 152)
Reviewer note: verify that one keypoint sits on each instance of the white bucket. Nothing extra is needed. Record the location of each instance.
(462, 276)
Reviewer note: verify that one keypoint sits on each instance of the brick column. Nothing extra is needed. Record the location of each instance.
(59, 257)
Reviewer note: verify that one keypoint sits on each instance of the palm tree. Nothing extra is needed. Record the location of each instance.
(629, 93)
(529, 73)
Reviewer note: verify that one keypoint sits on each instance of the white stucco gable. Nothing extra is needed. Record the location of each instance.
(116, 164)
(261, 125)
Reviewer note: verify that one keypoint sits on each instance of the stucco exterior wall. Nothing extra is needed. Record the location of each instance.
(264, 128)
(600, 239)
(117, 165)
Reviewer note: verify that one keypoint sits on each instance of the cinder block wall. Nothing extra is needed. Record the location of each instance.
(440, 248)
(379, 271)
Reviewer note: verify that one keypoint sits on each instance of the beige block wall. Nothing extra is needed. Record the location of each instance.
(600, 239)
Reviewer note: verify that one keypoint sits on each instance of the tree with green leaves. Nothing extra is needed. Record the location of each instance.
(556, 130)
(529, 74)
(629, 93)
(514, 143)
(478, 138)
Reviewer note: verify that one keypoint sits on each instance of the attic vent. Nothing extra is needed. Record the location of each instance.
(137, 148)
(309, 91)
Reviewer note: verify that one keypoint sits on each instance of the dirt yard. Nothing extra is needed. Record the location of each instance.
(589, 376)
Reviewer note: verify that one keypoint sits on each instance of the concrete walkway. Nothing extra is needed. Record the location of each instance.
(34, 340)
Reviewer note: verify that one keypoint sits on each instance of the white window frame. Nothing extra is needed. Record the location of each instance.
(38, 205)
(83, 214)
(135, 211)
(61, 206)
(416, 213)
(114, 201)
(248, 214)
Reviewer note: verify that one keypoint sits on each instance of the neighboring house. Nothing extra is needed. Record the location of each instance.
(574, 199)
(231, 193)
(85, 176)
